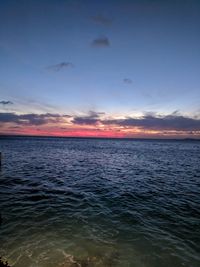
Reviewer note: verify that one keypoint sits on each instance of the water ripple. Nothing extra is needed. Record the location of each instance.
(84, 202)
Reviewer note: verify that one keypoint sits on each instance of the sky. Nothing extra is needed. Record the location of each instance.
(115, 68)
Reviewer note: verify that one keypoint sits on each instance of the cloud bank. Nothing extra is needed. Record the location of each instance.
(31, 119)
(168, 122)
(96, 122)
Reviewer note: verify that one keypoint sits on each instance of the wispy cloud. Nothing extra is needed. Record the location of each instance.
(102, 20)
(101, 42)
(60, 66)
(127, 81)
(3, 102)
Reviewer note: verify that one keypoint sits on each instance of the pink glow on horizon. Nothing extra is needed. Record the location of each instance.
(91, 131)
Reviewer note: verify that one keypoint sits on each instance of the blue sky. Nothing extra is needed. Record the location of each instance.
(119, 57)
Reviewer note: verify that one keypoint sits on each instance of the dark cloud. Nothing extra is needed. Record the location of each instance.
(91, 119)
(100, 19)
(150, 121)
(31, 119)
(6, 102)
(101, 42)
(127, 81)
(176, 113)
(60, 66)
(15, 127)
(168, 122)
(8, 117)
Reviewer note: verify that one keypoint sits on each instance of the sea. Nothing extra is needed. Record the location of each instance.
(80, 202)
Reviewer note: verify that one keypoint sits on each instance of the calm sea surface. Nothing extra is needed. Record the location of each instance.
(93, 202)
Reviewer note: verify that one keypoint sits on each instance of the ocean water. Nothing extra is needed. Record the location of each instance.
(94, 202)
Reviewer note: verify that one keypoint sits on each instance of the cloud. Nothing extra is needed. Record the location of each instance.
(176, 112)
(6, 102)
(91, 119)
(127, 81)
(102, 20)
(101, 42)
(31, 118)
(60, 66)
(150, 122)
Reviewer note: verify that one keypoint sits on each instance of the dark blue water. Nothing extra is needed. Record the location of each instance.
(93, 202)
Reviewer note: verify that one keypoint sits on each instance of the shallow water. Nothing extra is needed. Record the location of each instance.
(93, 202)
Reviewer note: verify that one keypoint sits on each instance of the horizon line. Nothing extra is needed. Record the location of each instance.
(99, 137)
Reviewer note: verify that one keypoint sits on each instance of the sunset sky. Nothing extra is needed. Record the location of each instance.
(127, 68)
